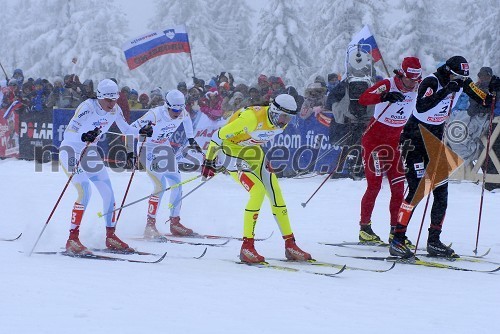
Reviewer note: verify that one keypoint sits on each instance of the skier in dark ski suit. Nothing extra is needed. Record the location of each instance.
(435, 94)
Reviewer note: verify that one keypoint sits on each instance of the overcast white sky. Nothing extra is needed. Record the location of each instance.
(140, 12)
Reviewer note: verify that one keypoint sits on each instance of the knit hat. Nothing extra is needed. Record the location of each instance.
(411, 68)
(144, 96)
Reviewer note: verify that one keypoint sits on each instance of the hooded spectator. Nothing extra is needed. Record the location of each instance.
(233, 104)
(314, 100)
(19, 76)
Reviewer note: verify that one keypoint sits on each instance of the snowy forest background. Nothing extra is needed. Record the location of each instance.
(296, 40)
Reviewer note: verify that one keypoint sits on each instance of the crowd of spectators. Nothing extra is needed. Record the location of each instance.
(218, 97)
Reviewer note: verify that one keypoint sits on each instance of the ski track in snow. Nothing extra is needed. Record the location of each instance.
(56, 294)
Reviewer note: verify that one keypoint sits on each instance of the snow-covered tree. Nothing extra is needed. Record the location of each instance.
(293, 39)
(280, 44)
(81, 37)
(234, 50)
(481, 29)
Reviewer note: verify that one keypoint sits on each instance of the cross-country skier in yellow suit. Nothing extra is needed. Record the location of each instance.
(239, 143)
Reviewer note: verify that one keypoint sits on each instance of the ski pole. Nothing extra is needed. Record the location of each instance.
(341, 160)
(3, 69)
(492, 114)
(100, 215)
(171, 205)
(134, 168)
(432, 180)
(82, 154)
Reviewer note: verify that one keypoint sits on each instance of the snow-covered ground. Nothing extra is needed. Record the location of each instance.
(56, 294)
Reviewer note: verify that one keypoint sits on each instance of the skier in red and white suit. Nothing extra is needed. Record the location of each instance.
(394, 100)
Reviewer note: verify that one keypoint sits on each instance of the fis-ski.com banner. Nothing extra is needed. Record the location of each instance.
(303, 146)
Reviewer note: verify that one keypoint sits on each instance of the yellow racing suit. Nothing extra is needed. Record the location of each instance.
(238, 144)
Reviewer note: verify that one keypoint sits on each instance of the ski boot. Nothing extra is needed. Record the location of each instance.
(150, 231)
(293, 252)
(366, 234)
(436, 248)
(74, 246)
(179, 230)
(248, 253)
(408, 243)
(398, 247)
(114, 243)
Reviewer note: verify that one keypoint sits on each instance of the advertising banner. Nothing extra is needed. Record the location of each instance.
(9, 136)
(35, 131)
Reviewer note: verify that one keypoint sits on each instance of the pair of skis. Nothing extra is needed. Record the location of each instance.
(96, 256)
(298, 266)
(416, 261)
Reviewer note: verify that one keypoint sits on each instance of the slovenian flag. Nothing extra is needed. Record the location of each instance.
(366, 37)
(154, 44)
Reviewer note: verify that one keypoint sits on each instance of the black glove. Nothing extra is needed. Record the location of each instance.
(208, 169)
(194, 145)
(90, 136)
(453, 86)
(130, 160)
(146, 130)
(392, 97)
(494, 85)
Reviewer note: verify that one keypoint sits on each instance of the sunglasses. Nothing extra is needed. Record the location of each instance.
(455, 76)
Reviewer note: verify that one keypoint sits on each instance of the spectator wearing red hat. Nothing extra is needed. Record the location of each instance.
(394, 99)
(144, 100)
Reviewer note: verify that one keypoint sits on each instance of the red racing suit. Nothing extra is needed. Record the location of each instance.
(381, 154)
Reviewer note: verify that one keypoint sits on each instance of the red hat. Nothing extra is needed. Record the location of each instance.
(411, 68)
(144, 96)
